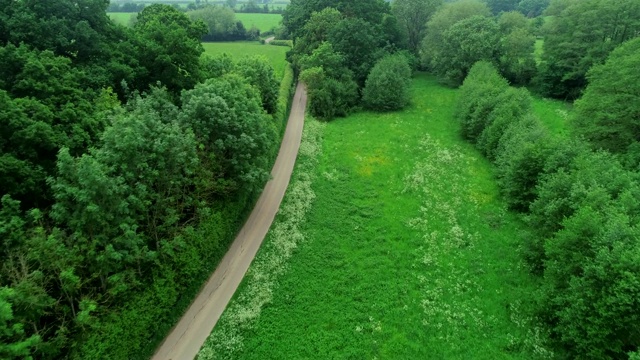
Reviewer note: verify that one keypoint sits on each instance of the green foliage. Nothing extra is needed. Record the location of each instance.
(287, 43)
(607, 114)
(228, 120)
(520, 161)
(443, 19)
(413, 16)
(330, 85)
(360, 44)
(315, 32)
(387, 86)
(479, 95)
(516, 59)
(299, 12)
(260, 74)
(501, 6)
(170, 47)
(581, 34)
(463, 44)
(532, 8)
(13, 343)
(221, 23)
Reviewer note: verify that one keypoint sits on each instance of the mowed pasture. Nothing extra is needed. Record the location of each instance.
(264, 22)
(239, 49)
(393, 243)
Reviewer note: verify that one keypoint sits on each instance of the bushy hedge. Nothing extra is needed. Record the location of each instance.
(585, 209)
(134, 330)
(288, 43)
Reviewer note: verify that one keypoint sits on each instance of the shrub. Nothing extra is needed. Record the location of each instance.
(387, 86)
(520, 161)
(478, 97)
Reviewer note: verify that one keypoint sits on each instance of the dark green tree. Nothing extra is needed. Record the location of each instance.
(228, 119)
(413, 16)
(259, 72)
(608, 114)
(169, 47)
(387, 86)
(463, 44)
(582, 34)
(298, 12)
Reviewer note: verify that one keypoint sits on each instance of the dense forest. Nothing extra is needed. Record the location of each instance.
(128, 159)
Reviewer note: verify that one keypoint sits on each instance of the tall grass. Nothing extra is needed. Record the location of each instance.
(408, 252)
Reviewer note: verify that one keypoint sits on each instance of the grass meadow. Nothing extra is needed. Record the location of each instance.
(392, 243)
(122, 18)
(238, 49)
(264, 22)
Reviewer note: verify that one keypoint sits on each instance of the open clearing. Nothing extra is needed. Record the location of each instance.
(264, 22)
(121, 18)
(392, 242)
(238, 49)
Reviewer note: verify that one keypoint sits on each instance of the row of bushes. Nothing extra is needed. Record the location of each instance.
(149, 315)
(288, 43)
(584, 207)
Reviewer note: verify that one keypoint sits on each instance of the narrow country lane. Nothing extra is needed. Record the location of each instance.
(186, 338)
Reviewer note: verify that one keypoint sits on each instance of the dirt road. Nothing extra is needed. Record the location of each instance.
(186, 338)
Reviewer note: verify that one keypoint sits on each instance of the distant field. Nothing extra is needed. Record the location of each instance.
(405, 250)
(121, 18)
(275, 54)
(263, 22)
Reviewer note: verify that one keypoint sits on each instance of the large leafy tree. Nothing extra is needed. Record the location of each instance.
(444, 18)
(581, 34)
(608, 115)
(332, 90)
(299, 12)
(463, 44)
(360, 42)
(413, 16)
(387, 86)
(228, 119)
(169, 47)
(260, 74)
(517, 42)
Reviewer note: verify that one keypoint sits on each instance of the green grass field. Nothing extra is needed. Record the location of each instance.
(392, 243)
(263, 22)
(554, 114)
(275, 54)
(121, 18)
(537, 50)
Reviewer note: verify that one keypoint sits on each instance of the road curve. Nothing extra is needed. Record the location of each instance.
(186, 338)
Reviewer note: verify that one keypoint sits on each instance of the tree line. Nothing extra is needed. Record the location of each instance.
(127, 161)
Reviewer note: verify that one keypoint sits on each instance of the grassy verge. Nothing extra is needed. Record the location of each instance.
(407, 252)
(275, 54)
